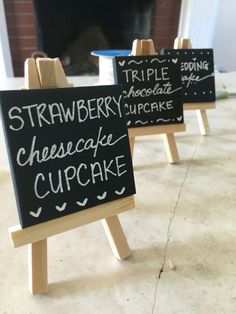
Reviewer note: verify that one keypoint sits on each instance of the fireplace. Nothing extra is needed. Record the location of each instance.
(71, 29)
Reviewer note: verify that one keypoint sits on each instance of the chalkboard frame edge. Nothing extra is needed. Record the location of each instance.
(199, 105)
(157, 129)
(22, 236)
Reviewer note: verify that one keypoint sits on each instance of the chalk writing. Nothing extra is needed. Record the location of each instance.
(121, 191)
(37, 213)
(136, 62)
(195, 65)
(62, 150)
(83, 203)
(61, 208)
(63, 180)
(164, 89)
(158, 60)
(38, 115)
(197, 73)
(192, 78)
(68, 148)
(152, 89)
(101, 197)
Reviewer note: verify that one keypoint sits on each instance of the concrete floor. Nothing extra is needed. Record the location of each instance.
(185, 213)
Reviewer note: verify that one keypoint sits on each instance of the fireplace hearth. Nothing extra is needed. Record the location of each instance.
(72, 29)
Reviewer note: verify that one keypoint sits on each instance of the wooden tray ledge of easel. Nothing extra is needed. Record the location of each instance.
(20, 237)
(157, 129)
(199, 106)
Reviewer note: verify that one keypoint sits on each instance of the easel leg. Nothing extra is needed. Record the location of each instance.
(116, 237)
(37, 263)
(171, 148)
(131, 145)
(203, 121)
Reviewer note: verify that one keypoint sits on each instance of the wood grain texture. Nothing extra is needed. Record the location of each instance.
(37, 267)
(157, 129)
(203, 122)
(136, 48)
(131, 145)
(116, 237)
(31, 74)
(142, 47)
(199, 105)
(20, 237)
(182, 43)
(171, 148)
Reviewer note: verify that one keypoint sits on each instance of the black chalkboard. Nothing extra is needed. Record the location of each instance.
(68, 149)
(197, 73)
(152, 89)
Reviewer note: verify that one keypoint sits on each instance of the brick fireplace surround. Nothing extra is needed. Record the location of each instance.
(22, 29)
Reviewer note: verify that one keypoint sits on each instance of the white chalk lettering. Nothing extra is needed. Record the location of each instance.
(36, 182)
(190, 79)
(30, 114)
(62, 180)
(38, 115)
(96, 171)
(68, 113)
(118, 165)
(69, 177)
(150, 74)
(195, 66)
(40, 110)
(149, 107)
(91, 109)
(59, 187)
(164, 89)
(82, 110)
(79, 176)
(55, 112)
(62, 150)
(19, 121)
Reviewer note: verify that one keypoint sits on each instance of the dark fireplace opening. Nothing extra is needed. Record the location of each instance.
(71, 29)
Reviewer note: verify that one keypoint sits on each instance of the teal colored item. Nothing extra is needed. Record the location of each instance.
(110, 53)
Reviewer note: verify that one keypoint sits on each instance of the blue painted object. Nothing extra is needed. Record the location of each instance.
(110, 53)
(106, 76)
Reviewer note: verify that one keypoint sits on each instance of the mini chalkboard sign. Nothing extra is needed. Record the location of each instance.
(197, 73)
(62, 109)
(152, 89)
(68, 149)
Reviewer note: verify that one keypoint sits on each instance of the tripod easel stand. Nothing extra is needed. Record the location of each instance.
(48, 73)
(146, 47)
(201, 107)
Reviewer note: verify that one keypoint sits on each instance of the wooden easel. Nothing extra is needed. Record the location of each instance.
(48, 73)
(146, 47)
(201, 107)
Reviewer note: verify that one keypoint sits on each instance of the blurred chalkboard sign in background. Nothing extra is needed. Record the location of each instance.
(197, 73)
(152, 89)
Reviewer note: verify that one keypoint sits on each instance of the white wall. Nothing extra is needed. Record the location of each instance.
(198, 20)
(211, 24)
(5, 56)
(224, 40)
